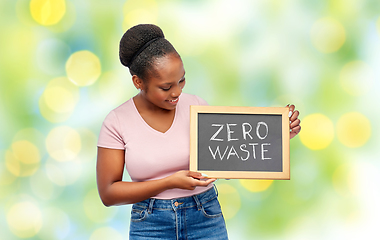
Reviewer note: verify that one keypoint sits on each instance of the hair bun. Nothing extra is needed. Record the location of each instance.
(135, 38)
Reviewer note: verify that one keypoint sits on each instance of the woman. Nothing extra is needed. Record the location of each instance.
(149, 134)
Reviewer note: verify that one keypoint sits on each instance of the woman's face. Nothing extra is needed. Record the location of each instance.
(164, 87)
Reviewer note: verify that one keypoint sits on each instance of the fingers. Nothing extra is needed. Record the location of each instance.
(197, 175)
(296, 130)
(189, 180)
(295, 124)
(291, 108)
(201, 180)
(205, 183)
(199, 183)
(294, 116)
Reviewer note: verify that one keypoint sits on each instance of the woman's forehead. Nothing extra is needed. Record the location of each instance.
(168, 68)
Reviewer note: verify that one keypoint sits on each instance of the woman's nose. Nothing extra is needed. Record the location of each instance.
(176, 91)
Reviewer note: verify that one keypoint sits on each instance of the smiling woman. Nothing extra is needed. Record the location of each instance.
(150, 134)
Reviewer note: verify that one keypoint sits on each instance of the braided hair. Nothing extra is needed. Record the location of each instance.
(140, 46)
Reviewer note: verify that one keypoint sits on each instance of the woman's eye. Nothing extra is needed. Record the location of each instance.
(167, 89)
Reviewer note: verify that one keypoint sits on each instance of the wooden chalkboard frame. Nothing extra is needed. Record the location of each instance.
(283, 111)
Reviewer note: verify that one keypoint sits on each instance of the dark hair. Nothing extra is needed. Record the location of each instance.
(135, 53)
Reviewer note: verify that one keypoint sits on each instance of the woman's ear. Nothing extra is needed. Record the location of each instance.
(137, 82)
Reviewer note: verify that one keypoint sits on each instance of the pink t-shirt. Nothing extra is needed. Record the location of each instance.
(150, 154)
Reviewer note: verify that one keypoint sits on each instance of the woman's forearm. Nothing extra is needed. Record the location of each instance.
(114, 191)
(121, 192)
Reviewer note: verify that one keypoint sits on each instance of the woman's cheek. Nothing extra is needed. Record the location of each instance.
(161, 96)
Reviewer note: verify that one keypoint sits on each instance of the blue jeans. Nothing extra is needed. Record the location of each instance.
(196, 217)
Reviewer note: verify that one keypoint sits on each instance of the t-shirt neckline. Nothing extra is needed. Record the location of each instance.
(148, 126)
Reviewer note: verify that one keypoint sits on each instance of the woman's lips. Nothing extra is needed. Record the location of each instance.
(175, 101)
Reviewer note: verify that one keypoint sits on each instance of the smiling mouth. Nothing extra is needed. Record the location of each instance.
(174, 101)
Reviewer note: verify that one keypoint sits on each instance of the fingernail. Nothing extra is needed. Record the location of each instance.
(204, 175)
(290, 113)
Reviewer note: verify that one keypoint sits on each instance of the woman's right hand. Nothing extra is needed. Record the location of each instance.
(188, 180)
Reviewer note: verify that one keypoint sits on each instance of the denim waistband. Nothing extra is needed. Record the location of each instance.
(179, 203)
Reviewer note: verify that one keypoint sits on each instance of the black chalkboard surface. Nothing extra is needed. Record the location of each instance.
(240, 142)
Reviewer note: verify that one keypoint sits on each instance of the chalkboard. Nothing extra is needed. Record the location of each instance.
(240, 142)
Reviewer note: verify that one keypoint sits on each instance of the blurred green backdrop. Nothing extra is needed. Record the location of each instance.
(60, 75)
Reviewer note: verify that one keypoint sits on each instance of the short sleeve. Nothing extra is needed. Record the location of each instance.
(110, 133)
(201, 101)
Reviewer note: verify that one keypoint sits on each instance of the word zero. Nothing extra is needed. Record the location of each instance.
(246, 131)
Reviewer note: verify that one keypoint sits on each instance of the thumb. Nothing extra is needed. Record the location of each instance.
(195, 174)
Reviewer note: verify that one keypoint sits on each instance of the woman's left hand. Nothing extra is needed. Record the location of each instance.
(295, 126)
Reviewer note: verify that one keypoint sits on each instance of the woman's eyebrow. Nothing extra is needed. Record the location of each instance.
(169, 83)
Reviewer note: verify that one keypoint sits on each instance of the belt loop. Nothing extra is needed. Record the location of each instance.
(150, 208)
(216, 190)
(199, 205)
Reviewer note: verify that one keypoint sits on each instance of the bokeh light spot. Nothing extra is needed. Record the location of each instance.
(83, 68)
(47, 12)
(63, 143)
(256, 185)
(58, 99)
(229, 199)
(63, 173)
(42, 187)
(24, 219)
(32, 135)
(328, 35)
(345, 181)
(353, 129)
(88, 141)
(56, 224)
(138, 16)
(317, 131)
(94, 208)
(23, 159)
(106, 233)
(138, 12)
(356, 78)
(26, 152)
(55, 174)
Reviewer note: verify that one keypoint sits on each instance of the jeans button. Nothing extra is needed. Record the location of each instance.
(176, 204)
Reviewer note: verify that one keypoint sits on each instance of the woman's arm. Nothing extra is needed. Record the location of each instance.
(114, 191)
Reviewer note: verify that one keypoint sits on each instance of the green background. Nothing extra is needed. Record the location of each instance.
(323, 56)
